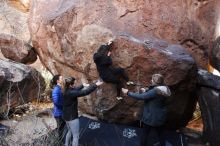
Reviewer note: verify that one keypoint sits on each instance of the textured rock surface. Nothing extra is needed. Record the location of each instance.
(12, 20)
(19, 84)
(143, 60)
(17, 50)
(65, 35)
(21, 5)
(56, 26)
(209, 103)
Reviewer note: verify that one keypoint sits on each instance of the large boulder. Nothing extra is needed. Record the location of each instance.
(17, 50)
(145, 58)
(67, 33)
(209, 101)
(56, 25)
(13, 20)
(19, 84)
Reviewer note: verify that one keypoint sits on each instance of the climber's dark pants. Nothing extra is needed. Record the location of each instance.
(153, 135)
(114, 78)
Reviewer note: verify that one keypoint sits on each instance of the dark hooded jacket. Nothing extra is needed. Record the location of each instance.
(107, 72)
(103, 64)
(70, 106)
(155, 111)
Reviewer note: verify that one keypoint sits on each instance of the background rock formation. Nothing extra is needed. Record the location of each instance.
(21, 5)
(12, 20)
(19, 84)
(17, 50)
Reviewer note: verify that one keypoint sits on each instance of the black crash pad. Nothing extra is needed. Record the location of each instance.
(97, 133)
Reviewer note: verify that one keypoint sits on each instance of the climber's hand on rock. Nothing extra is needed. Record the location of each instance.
(143, 90)
(125, 91)
(110, 42)
(98, 83)
(85, 85)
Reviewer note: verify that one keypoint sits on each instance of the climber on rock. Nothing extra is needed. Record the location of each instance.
(107, 72)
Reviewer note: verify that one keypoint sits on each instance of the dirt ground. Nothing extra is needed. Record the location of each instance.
(35, 124)
(30, 125)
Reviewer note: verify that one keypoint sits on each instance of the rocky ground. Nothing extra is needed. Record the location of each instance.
(23, 128)
(36, 127)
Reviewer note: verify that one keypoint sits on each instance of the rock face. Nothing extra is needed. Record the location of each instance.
(67, 33)
(21, 5)
(209, 103)
(17, 50)
(56, 25)
(12, 20)
(19, 84)
(145, 58)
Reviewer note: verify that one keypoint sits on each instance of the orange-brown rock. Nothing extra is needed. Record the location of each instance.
(17, 50)
(144, 58)
(67, 33)
(58, 24)
(21, 5)
(12, 21)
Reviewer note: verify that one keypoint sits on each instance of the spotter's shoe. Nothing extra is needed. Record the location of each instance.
(119, 98)
(130, 83)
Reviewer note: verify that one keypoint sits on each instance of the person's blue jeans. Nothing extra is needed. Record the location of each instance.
(73, 132)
